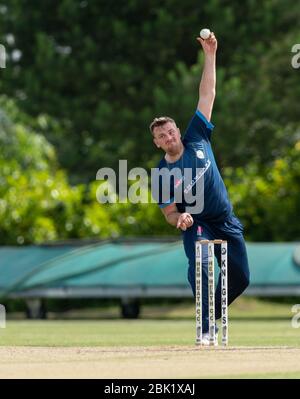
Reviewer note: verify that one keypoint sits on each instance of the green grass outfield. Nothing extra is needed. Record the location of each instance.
(251, 323)
(119, 333)
(262, 344)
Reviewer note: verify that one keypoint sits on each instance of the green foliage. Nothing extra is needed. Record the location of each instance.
(141, 219)
(37, 203)
(91, 77)
(93, 66)
(98, 72)
(268, 200)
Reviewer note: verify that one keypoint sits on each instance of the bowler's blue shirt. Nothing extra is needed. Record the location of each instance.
(197, 155)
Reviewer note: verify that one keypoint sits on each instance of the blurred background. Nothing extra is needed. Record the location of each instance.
(84, 79)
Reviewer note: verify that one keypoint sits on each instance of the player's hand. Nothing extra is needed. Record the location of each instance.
(209, 45)
(185, 221)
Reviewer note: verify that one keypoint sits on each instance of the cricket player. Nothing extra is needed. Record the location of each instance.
(213, 218)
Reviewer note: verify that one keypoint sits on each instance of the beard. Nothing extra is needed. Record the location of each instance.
(173, 148)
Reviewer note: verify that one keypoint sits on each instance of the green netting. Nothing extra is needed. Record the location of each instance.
(116, 264)
(95, 260)
(272, 264)
(164, 266)
(17, 262)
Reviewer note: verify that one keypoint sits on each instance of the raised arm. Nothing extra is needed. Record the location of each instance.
(207, 88)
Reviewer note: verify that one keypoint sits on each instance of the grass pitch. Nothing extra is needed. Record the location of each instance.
(262, 344)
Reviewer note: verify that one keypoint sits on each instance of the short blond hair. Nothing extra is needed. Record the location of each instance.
(160, 122)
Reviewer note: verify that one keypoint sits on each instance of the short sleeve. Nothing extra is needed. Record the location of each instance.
(198, 128)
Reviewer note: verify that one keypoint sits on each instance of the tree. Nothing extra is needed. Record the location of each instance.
(99, 71)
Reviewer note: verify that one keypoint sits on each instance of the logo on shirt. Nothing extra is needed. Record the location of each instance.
(178, 182)
(200, 154)
(197, 177)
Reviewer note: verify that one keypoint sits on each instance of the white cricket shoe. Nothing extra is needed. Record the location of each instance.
(205, 339)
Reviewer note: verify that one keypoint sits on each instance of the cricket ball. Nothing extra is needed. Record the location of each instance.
(204, 34)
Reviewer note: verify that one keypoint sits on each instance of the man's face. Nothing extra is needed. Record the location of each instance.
(168, 138)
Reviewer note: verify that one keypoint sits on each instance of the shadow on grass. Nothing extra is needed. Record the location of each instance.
(146, 317)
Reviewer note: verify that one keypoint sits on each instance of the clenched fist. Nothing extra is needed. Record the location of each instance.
(185, 221)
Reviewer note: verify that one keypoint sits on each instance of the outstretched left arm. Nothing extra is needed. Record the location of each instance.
(207, 88)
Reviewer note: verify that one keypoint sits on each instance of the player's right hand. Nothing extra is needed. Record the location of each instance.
(185, 221)
(209, 45)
